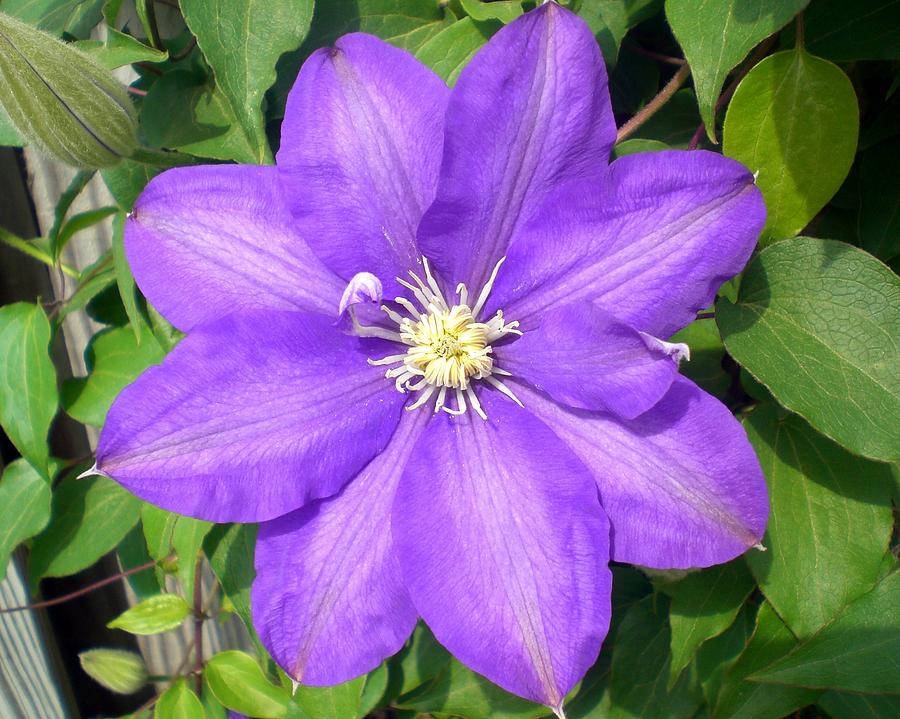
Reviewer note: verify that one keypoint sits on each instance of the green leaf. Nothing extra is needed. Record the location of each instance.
(794, 119)
(124, 278)
(744, 699)
(28, 394)
(861, 30)
(717, 34)
(184, 112)
(641, 665)
(132, 552)
(610, 21)
(636, 145)
(818, 322)
(79, 222)
(242, 40)
(336, 702)
(420, 660)
(840, 705)
(408, 24)
(153, 615)
(167, 532)
(503, 10)
(126, 180)
(24, 507)
(63, 100)
(119, 671)
(858, 652)
(450, 50)
(462, 692)
(405, 23)
(373, 694)
(704, 604)
(89, 517)
(716, 656)
(879, 197)
(9, 135)
(94, 280)
(120, 50)
(75, 187)
(830, 521)
(114, 359)
(230, 549)
(179, 702)
(237, 681)
(72, 17)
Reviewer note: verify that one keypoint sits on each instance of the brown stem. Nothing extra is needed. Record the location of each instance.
(185, 51)
(652, 107)
(634, 47)
(199, 616)
(155, 39)
(84, 590)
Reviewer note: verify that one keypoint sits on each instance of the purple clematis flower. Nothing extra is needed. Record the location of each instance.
(476, 451)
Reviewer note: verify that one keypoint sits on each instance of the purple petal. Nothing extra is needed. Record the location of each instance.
(209, 240)
(249, 417)
(503, 546)
(650, 244)
(582, 356)
(360, 152)
(531, 110)
(680, 484)
(328, 601)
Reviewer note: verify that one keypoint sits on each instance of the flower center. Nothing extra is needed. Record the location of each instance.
(447, 346)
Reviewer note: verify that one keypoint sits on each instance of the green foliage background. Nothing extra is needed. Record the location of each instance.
(803, 346)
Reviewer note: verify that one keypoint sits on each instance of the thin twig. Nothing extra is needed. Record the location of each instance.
(136, 91)
(84, 590)
(761, 51)
(652, 107)
(199, 616)
(146, 705)
(634, 47)
(185, 51)
(155, 39)
(706, 315)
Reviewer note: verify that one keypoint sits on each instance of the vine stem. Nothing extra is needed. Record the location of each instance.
(668, 59)
(26, 247)
(84, 590)
(199, 616)
(652, 107)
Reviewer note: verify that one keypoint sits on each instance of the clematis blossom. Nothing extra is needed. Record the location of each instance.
(427, 352)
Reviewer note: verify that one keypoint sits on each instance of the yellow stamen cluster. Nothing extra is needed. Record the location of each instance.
(447, 347)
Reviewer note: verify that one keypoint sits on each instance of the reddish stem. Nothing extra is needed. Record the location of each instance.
(655, 104)
(199, 616)
(84, 590)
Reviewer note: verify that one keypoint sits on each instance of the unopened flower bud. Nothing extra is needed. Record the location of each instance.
(62, 100)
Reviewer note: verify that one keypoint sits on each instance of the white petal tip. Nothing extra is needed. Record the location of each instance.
(91, 472)
(677, 351)
(363, 287)
(558, 711)
(294, 686)
(760, 546)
